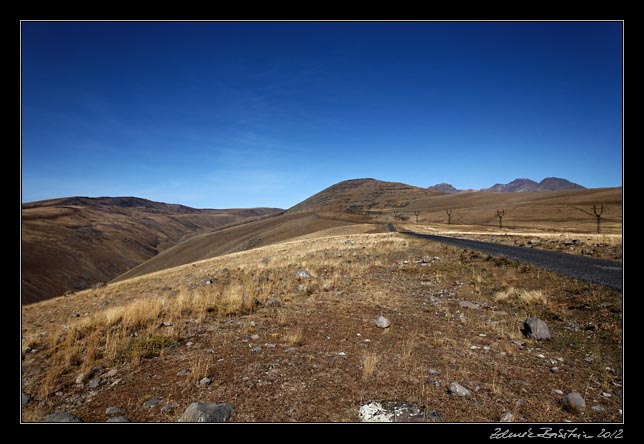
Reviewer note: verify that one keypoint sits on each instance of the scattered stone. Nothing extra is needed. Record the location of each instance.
(435, 382)
(350, 242)
(554, 369)
(94, 383)
(270, 345)
(535, 328)
(255, 337)
(62, 417)
(113, 411)
(557, 392)
(486, 347)
(574, 402)
(469, 304)
(382, 322)
(606, 395)
(519, 343)
(119, 419)
(598, 408)
(433, 371)
(169, 407)
(374, 412)
(76, 315)
(189, 344)
(167, 324)
(273, 303)
(205, 381)
(207, 412)
(458, 390)
(408, 412)
(99, 285)
(257, 348)
(302, 274)
(111, 373)
(184, 372)
(507, 417)
(28, 349)
(151, 403)
(475, 347)
(342, 354)
(26, 399)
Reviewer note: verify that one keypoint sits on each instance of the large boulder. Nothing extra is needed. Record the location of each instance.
(535, 328)
(207, 412)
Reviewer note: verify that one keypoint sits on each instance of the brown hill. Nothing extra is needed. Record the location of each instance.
(363, 194)
(74, 243)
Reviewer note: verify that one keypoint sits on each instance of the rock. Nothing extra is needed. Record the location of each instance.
(94, 383)
(76, 315)
(598, 408)
(151, 403)
(184, 372)
(554, 369)
(167, 324)
(205, 381)
(111, 373)
(470, 305)
(302, 274)
(435, 382)
(574, 402)
(273, 303)
(26, 399)
(189, 344)
(99, 285)
(257, 348)
(557, 392)
(507, 417)
(119, 419)
(350, 242)
(207, 412)
(606, 395)
(535, 328)
(458, 390)
(433, 371)
(255, 337)
(374, 412)
(169, 407)
(382, 322)
(62, 417)
(113, 411)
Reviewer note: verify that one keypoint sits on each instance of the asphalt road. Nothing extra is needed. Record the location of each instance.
(600, 271)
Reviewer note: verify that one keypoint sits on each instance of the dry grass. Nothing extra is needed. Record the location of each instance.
(369, 365)
(527, 297)
(294, 336)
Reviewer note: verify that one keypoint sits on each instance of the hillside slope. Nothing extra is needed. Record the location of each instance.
(74, 243)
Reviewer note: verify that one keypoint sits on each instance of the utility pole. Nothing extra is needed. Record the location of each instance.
(599, 215)
(500, 214)
(449, 216)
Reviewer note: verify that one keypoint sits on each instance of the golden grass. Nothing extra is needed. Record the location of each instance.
(522, 296)
(369, 365)
(294, 336)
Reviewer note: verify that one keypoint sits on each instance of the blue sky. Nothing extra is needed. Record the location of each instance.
(245, 114)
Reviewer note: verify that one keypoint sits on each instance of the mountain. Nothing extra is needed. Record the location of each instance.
(527, 185)
(443, 188)
(74, 243)
(363, 194)
(557, 184)
(516, 186)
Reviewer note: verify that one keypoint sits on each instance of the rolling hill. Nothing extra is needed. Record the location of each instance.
(74, 243)
(370, 204)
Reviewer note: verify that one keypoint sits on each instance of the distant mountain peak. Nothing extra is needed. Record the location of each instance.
(527, 185)
(443, 188)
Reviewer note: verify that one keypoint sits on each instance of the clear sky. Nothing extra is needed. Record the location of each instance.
(229, 114)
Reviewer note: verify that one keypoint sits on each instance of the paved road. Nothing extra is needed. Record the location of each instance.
(599, 271)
